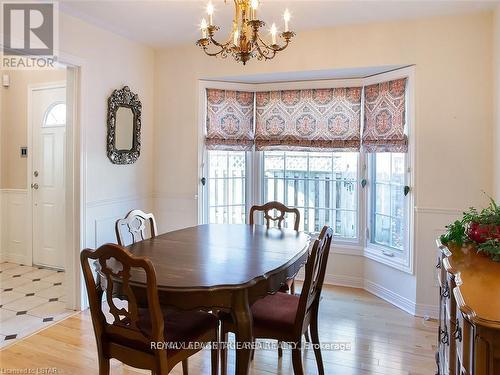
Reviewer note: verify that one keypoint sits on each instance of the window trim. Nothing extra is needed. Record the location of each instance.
(254, 163)
(375, 252)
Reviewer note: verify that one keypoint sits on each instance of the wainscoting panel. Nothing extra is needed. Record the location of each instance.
(429, 225)
(102, 216)
(13, 228)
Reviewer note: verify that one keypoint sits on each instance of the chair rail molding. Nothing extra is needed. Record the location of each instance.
(118, 200)
(439, 210)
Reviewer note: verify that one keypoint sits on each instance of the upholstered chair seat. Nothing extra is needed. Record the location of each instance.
(275, 312)
(180, 327)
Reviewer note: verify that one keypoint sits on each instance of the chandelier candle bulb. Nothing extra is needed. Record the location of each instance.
(203, 27)
(253, 13)
(274, 31)
(235, 37)
(210, 12)
(286, 17)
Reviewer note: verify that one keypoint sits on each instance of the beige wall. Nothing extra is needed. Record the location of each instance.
(1, 126)
(496, 49)
(453, 130)
(14, 122)
(109, 62)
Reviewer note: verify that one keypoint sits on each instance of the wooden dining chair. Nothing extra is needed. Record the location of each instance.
(276, 211)
(135, 224)
(286, 317)
(130, 333)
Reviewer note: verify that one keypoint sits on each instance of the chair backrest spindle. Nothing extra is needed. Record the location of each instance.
(135, 224)
(281, 210)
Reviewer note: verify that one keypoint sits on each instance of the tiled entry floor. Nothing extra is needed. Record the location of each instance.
(31, 298)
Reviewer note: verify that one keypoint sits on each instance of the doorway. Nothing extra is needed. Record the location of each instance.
(48, 169)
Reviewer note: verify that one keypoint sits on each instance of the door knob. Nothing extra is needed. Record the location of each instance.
(34, 186)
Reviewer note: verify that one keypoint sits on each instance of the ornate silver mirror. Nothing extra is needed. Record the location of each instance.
(124, 126)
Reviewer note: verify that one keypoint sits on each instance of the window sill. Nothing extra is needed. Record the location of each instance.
(347, 249)
(344, 247)
(400, 263)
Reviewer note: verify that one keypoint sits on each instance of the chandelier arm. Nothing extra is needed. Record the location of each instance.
(275, 47)
(221, 45)
(281, 48)
(264, 44)
(267, 53)
(222, 52)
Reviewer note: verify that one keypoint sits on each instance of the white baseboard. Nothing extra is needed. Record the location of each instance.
(15, 258)
(405, 304)
(393, 298)
(343, 280)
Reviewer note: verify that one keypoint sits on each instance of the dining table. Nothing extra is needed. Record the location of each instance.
(222, 267)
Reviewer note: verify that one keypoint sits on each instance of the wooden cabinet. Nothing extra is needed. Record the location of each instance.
(469, 312)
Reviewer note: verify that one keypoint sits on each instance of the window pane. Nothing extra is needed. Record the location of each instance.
(382, 198)
(397, 233)
(295, 192)
(275, 161)
(55, 116)
(383, 167)
(226, 187)
(383, 230)
(322, 185)
(388, 217)
(295, 164)
(345, 225)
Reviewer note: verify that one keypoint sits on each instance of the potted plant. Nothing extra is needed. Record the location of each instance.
(480, 228)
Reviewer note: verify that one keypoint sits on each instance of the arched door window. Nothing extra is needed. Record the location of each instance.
(55, 115)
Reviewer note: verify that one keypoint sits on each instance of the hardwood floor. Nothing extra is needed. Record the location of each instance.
(384, 339)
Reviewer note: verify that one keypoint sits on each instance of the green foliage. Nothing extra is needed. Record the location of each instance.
(457, 232)
(490, 247)
(488, 215)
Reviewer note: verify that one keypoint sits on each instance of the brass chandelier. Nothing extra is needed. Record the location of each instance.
(245, 41)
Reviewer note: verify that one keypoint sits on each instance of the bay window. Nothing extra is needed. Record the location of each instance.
(310, 150)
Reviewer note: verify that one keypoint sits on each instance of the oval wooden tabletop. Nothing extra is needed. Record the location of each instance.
(219, 255)
(478, 281)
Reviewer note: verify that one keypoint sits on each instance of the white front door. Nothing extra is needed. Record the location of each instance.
(48, 116)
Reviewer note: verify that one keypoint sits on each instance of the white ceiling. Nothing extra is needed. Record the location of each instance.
(164, 23)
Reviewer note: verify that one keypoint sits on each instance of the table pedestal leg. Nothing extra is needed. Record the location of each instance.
(244, 337)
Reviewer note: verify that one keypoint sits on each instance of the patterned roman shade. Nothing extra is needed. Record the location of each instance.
(321, 119)
(229, 120)
(385, 117)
